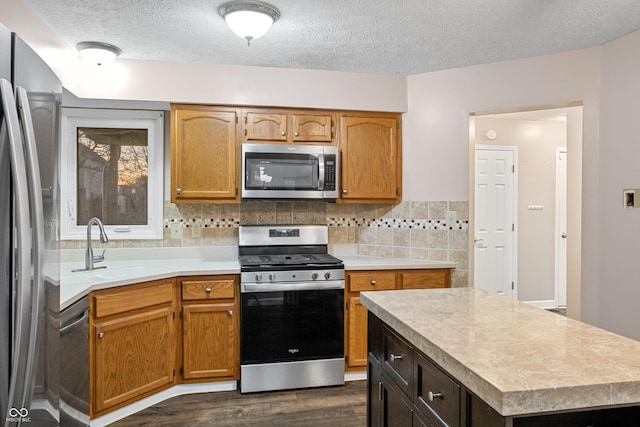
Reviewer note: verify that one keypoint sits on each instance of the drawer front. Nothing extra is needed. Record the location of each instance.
(371, 280)
(425, 279)
(208, 289)
(110, 301)
(397, 360)
(436, 395)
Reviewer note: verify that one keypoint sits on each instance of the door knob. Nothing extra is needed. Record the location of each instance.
(563, 235)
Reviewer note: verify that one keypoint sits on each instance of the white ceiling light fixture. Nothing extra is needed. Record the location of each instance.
(98, 52)
(249, 19)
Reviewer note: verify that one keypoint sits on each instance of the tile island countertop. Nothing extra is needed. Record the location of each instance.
(517, 358)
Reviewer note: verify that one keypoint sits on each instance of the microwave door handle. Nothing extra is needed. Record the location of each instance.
(321, 172)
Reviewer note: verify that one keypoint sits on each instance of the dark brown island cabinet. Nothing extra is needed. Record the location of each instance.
(406, 388)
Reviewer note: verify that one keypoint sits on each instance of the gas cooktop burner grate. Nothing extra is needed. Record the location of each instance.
(289, 259)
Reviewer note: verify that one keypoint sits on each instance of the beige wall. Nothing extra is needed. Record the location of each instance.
(615, 291)
(536, 142)
(436, 129)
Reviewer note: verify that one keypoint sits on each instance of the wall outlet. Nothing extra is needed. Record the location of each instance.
(450, 217)
(631, 198)
(176, 231)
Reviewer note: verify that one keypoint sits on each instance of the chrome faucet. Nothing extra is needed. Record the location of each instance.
(89, 258)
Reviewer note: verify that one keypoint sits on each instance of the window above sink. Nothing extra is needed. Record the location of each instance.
(112, 169)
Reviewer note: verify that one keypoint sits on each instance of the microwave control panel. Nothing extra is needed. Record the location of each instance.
(330, 173)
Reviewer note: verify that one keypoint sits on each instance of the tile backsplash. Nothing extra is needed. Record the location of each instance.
(412, 230)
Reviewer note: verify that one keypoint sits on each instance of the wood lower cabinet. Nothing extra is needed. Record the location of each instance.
(132, 343)
(371, 158)
(204, 155)
(138, 344)
(288, 126)
(379, 280)
(210, 328)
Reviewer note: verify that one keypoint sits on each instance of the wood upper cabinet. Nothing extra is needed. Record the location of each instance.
(288, 126)
(210, 328)
(132, 343)
(311, 127)
(371, 164)
(379, 280)
(204, 155)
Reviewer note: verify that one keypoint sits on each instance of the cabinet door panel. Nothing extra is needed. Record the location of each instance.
(133, 355)
(209, 334)
(203, 155)
(357, 345)
(370, 163)
(311, 128)
(396, 409)
(265, 126)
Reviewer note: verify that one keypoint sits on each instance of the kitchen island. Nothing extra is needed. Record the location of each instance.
(466, 357)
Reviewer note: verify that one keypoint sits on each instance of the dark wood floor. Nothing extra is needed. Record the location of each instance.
(340, 406)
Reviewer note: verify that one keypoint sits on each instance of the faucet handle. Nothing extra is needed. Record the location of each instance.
(99, 258)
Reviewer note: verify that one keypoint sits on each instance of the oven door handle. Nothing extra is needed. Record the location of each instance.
(297, 286)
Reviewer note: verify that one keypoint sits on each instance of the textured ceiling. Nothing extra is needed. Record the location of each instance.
(372, 36)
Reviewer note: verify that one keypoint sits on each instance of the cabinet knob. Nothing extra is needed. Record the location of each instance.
(296, 134)
(178, 190)
(344, 191)
(230, 312)
(101, 335)
(431, 395)
(373, 283)
(395, 357)
(283, 133)
(208, 290)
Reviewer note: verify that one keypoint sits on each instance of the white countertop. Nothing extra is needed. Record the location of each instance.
(132, 266)
(518, 358)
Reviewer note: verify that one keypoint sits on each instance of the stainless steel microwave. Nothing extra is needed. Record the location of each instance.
(286, 171)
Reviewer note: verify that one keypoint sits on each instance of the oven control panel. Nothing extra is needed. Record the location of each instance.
(291, 276)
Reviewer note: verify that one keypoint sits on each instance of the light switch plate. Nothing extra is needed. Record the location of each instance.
(631, 198)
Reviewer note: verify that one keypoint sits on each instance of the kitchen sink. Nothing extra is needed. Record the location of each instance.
(115, 274)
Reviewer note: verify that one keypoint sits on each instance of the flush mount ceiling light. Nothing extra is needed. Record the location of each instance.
(98, 52)
(249, 19)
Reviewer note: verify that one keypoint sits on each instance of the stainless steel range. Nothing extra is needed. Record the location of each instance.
(291, 315)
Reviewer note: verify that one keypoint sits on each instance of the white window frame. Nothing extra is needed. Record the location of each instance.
(72, 119)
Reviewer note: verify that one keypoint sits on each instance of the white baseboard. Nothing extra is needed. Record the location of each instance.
(545, 304)
(154, 399)
(355, 376)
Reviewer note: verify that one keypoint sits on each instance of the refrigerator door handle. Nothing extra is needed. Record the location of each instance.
(37, 231)
(19, 395)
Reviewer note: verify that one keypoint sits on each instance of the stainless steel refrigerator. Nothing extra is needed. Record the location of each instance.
(29, 237)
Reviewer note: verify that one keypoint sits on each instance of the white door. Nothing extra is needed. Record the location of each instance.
(561, 227)
(495, 219)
